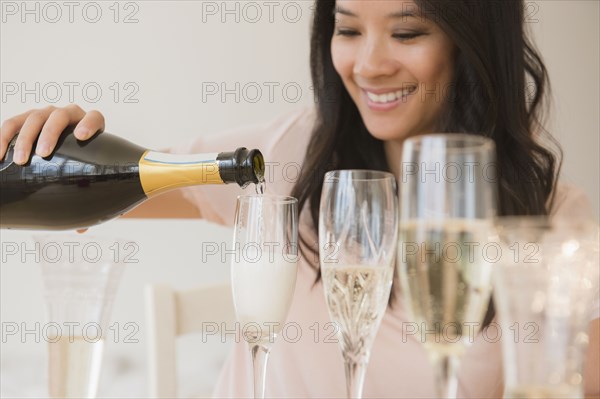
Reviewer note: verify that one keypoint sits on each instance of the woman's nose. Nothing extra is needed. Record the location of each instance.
(374, 59)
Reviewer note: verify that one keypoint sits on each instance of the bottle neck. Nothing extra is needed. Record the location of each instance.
(160, 172)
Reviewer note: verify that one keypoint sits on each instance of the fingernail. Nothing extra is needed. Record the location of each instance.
(42, 149)
(82, 133)
(19, 156)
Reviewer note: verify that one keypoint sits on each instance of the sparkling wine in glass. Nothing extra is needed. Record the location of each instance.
(544, 289)
(447, 206)
(263, 272)
(80, 274)
(358, 228)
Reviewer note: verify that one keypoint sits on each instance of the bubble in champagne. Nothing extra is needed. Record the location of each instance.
(261, 187)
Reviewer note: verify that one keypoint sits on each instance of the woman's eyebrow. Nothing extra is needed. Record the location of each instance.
(343, 11)
(401, 14)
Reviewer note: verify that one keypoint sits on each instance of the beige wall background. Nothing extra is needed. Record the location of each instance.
(567, 34)
(164, 72)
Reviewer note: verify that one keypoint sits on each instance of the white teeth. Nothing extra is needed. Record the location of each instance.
(389, 97)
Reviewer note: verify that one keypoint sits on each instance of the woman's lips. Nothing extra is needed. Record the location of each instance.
(385, 100)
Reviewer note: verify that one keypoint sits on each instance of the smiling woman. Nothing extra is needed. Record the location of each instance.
(396, 66)
(392, 69)
(383, 71)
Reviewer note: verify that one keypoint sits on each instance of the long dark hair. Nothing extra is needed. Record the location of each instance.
(499, 91)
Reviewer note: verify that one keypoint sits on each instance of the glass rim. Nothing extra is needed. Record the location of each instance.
(273, 198)
(338, 172)
(474, 140)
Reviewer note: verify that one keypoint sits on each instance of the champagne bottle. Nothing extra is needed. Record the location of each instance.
(83, 183)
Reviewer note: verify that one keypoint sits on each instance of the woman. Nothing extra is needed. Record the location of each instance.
(386, 70)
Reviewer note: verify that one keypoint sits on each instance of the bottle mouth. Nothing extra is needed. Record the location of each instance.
(259, 166)
(258, 163)
(242, 166)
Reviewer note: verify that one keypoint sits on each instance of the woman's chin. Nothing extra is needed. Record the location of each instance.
(384, 133)
(394, 131)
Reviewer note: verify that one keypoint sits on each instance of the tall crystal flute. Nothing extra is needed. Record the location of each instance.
(263, 272)
(447, 205)
(80, 274)
(358, 229)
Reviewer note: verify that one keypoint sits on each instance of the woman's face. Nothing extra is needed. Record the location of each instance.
(396, 65)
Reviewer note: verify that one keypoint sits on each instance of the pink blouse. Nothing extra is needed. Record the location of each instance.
(306, 360)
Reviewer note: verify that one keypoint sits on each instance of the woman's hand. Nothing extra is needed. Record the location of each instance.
(47, 124)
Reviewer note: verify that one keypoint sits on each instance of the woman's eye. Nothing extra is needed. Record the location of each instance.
(406, 36)
(346, 32)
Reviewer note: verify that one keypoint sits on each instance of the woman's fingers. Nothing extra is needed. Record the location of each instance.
(46, 125)
(29, 133)
(92, 123)
(58, 120)
(9, 129)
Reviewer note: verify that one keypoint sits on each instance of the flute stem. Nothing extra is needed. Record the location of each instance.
(445, 374)
(355, 378)
(260, 355)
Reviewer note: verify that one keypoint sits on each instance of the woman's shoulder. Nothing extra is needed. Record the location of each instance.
(570, 201)
(292, 130)
(268, 136)
(299, 118)
(284, 156)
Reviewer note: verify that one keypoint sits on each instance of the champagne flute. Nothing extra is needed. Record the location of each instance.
(358, 229)
(263, 272)
(544, 288)
(81, 274)
(447, 206)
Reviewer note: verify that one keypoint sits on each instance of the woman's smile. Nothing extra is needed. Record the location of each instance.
(386, 99)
